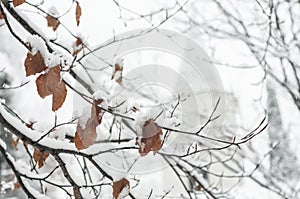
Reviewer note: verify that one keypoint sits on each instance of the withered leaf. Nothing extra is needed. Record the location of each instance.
(1, 16)
(78, 47)
(118, 186)
(52, 22)
(78, 42)
(78, 13)
(17, 185)
(40, 157)
(14, 142)
(117, 73)
(198, 187)
(134, 109)
(76, 194)
(25, 144)
(30, 125)
(34, 63)
(50, 83)
(150, 140)
(78, 143)
(86, 136)
(18, 2)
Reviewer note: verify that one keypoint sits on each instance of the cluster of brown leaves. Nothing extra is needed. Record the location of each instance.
(150, 140)
(48, 83)
(118, 186)
(85, 137)
(40, 157)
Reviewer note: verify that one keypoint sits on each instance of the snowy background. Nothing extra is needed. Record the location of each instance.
(240, 57)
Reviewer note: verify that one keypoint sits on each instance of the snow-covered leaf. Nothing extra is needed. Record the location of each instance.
(117, 73)
(34, 63)
(86, 135)
(77, 47)
(40, 157)
(14, 142)
(121, 188)
(52, 22)
(18, 2)
(150, 140)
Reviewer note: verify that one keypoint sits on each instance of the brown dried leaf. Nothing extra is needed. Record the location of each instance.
(151, 140)
(52, 22)
(78, 143)
(30, 125)
(1, 16)
(198, 187)
(14, 143)
(17, 185)
(78, 42)
(85, 137)
(76, 194)
(117, 69)
(78, 13)
(34, 63)
(40, 157)
(18, 2)
(118, 186)
(97, 111)
(50, 83)
(59, 96)
(25, 144)
(78, 47)
(134, 109)
(76, 52)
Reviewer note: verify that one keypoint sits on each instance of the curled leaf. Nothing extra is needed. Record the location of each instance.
(34, 63)
(121, 188)
(52, 22)
(40, 157)
(51, 84)
(150, 140)
(86, 136)
(78, 13)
